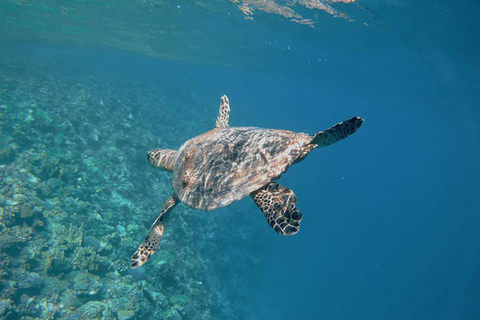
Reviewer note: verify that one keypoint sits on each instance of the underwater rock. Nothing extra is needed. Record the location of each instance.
(132, 228)
(137, 274)
(26, 280)
(104, 264)
(126, 315)
(121, 230)
(172, 314)
(26, 211)
(60, 264)
(92, 242)
(53, 286)
(180, 299)
(5, 307)
(11, 202)
(92, 310)
(14, 236)
(28, 306)
(84, 259)
(87, 284)
(54, 183)
(75, 316)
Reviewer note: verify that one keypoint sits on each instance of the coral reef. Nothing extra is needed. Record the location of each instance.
(76, 199)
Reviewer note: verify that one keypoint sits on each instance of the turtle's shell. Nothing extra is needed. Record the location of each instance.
(226, 164)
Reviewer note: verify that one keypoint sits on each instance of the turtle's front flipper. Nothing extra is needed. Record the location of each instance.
(223, 113)
(152, 241)
(337, 132)
(162, 158)
(278, 204)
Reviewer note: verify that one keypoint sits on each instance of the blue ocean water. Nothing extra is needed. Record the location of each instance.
(391, 214)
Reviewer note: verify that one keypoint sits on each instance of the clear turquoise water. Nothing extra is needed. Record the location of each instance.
(391, 215)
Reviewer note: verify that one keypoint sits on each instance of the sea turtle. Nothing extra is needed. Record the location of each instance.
(225, 164)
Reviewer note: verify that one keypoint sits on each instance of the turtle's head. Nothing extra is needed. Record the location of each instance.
(161, 158)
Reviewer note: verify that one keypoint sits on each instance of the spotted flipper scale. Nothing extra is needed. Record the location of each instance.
(223, 113)
(278, 204)
(337, 132)
(154, 236)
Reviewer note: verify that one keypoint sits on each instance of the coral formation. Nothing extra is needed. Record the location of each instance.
(76, 198)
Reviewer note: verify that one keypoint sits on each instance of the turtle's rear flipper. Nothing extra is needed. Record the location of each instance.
(278, 204)
(152, 241)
